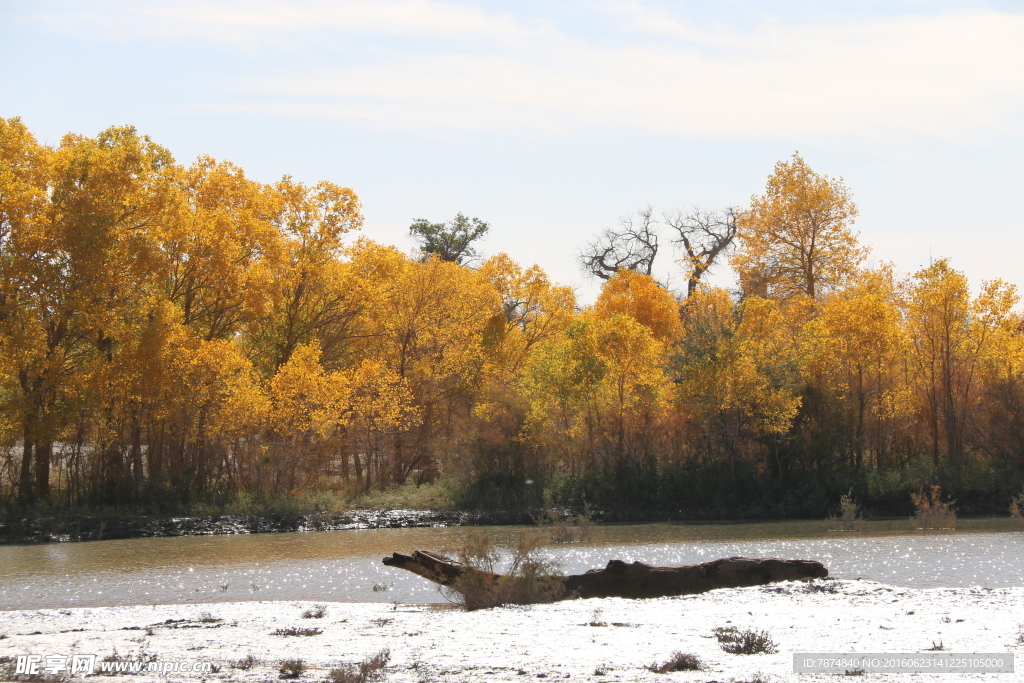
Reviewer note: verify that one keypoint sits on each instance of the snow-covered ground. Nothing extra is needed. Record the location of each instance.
(556, 641)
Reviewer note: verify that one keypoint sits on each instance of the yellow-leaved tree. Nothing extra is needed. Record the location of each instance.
(795, 239)
(855, 349)
(951, 335)
(736, 372)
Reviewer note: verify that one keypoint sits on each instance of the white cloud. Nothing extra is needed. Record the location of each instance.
(953, 76)
(253, 23)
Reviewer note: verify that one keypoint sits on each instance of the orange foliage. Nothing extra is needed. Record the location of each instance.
(641, 298)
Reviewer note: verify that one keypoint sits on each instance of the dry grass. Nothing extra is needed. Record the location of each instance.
(679, 661)
(748, 642)
(367, 671)
(849, 518)
(930, 512)
(527, 580)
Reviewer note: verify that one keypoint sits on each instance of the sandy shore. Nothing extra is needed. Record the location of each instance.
(544, 641)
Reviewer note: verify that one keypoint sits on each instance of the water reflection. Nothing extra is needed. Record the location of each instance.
(345, 565)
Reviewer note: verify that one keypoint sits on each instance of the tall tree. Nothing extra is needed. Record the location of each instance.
(854, 349)
(950, 336)
(79, 267)
(795, 239)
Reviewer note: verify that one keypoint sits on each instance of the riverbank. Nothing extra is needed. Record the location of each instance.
(58, 529)
(581, 640)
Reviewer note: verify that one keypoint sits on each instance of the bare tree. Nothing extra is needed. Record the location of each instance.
(632, 245)
(704, 236)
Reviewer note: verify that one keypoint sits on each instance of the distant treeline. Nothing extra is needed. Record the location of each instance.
(172, 334)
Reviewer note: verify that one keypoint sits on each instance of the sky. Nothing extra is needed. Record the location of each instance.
(552, 120)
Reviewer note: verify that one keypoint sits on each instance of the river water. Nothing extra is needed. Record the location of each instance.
(346, 565)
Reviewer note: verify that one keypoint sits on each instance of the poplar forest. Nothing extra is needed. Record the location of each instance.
(182, 337)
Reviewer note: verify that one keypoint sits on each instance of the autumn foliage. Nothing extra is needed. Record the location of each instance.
(180, 333)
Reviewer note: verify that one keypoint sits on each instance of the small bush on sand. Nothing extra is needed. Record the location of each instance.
(527, 580)
(367, 671)
(748, 642)
(294, 631)
(291, 668)
(930, 512)
(245, 663)
(315, 612)
(678, 662)
(849, 518)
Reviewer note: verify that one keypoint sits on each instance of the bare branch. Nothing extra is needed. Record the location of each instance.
(704, 236)
(632, 245)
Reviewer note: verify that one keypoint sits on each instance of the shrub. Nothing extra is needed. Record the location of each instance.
(1017, 508)
(246, 663)
(315, 612)
(291, 668)
(825, 586)
(748, 642)
(369, 670)
(527, 580)
(678, 662)
(294, 631)
(930, 512)
(849, 518)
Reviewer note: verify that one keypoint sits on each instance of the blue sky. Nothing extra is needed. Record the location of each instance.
(550, 120)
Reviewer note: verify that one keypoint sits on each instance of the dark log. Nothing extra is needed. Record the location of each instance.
(637, 580)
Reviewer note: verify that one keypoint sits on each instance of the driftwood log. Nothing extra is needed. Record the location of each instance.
(637, 580)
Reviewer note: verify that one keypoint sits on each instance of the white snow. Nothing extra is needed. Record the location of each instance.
(429, 643)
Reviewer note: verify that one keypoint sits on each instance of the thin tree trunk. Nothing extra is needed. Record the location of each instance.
(25, 489)
(44, 452)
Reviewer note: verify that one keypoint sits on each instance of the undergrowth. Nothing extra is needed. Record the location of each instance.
(931, 512)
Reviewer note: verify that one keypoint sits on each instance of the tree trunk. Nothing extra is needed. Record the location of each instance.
(44, 452)
(636, 580)
(25, 488)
